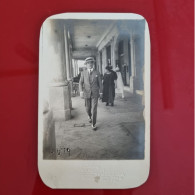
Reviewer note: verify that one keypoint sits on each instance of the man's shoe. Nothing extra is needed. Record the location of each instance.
(112, 104)
(94, 127)
(107, 104)
(89, 119)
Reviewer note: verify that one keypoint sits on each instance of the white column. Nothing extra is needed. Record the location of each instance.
(67, 62)
(104, 60)
(54, 61)
(133, 73)
(76, 67)
(126, 59)
(71, 71)
(70, 62)
(113, 53)
(100, 62)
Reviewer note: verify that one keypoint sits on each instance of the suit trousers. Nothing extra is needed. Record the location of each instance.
(91, 108)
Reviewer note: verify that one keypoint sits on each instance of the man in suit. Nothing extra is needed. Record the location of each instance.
(90, 86)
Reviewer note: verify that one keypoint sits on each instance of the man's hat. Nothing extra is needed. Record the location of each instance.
(89, 59)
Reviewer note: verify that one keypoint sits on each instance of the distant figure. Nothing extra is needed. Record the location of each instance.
(90, 86)
(114, 73)
(119, 82)
(75, 84)
(108, 87)
(115, 78)
(77, 78)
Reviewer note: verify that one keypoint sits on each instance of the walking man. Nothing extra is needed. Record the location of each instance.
(90, 86)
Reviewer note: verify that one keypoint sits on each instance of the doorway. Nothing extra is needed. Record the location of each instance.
(108, 54)
(121, 61)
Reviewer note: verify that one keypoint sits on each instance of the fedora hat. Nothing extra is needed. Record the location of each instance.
(89, 59)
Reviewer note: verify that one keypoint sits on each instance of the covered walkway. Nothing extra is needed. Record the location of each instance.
(120, 129)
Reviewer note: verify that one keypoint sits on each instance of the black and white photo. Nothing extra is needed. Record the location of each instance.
(93, 89)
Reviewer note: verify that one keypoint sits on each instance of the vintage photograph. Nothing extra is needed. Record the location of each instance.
(93, 89)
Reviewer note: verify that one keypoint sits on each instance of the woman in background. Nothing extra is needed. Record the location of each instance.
(119, 82)
(108, 87)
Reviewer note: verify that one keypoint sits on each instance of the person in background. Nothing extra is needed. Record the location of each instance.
(115, 78)
(75, 84)
(77, 78)
(108, 87)
(114, 73)
(119, 82)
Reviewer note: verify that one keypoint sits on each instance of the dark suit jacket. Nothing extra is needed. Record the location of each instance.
(91, 85)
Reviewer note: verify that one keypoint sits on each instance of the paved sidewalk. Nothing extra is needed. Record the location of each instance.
(119, 135)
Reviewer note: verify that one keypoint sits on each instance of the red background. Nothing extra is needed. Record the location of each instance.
(172, 93)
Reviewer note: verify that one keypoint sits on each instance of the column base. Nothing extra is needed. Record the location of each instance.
(60, 115)
(132, 84)
(140, 94)
(60, 102)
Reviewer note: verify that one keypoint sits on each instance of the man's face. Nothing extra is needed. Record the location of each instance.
(90, 64)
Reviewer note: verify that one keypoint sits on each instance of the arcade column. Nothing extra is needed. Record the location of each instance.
(113, 53)
(55, 63)
(104, 60)
(68, 61)
(133, 64)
